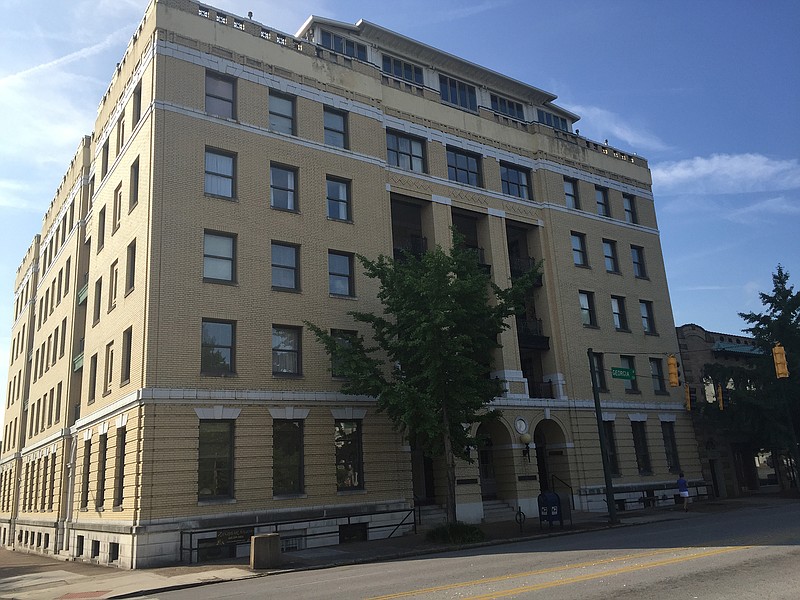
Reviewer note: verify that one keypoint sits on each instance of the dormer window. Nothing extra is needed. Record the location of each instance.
(337, 43)
(552, 120)
(507, 107)
(402, 69)
(458, 93)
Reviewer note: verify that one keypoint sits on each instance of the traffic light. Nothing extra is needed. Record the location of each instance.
(719, 397)
(687, 396)
(779, 358)
(672, 369)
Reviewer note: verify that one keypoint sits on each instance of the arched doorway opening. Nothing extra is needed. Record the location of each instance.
(494, 460)
(552, 460)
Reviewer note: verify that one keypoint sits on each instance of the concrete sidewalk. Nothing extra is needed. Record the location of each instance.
(29, 576)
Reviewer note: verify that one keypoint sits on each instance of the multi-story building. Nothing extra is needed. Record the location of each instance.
(233, 173)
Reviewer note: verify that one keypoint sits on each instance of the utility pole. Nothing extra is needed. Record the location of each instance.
(612, 507)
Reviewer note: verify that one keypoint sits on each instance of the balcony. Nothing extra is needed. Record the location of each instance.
(524, 264)
(480, 254)
(83, 292)
(411, 244)
(530, 335)
(77, 361)
(540, 389)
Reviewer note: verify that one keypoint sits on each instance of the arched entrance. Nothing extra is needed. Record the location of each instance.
(494, 457)
(551, 457)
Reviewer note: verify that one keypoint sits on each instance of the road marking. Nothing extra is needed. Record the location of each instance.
(589, 577)
(581, 565)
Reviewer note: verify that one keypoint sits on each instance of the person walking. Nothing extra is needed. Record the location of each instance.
(683, 490)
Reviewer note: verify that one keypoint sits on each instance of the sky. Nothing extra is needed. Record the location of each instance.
(708, 92)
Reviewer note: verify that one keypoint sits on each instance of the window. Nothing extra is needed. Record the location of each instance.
(637, 255)
(657, 374)
(130, 268)
(100, 491)
(403, 70)
(340, 274)
(640, 447)
(629, 205)
(631, 385)
(571, 193)
(98, 293)
(515, 181)
(119, 467)
(120, 133)
(220, 173)
(579, 256)
(219, 257)
(405, 152)
(599, 371)
(349, 457)
(133, 194)
(113, 285)
(285, 350)
(552, 120)
(101, 229)
(127, 348)
(648, 322)
(285, 273)
(670, 446)
(109, 364)
(618, 310)
(458, 93)
(87, 462)
(335, 124)
(601, 197)
(217, 351)
(136, 109)
(220, 95)
(215, 459)
(116, 212)
(104, 160)
(588, 316)
(611, 447)
(282, 187)
(281, 113)
(343, 338)
(337, 43)
(610, 255)
(92, 392)
(507, 107)
(338, 194)
(287, 457)
(463, 167)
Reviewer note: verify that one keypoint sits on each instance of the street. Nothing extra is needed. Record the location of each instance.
(752, 552)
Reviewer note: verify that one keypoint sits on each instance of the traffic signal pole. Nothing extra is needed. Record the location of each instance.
(612, 507)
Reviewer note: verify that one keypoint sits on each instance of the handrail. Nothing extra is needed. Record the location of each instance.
(568, 486)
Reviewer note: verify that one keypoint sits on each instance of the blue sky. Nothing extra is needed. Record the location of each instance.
(708, 92)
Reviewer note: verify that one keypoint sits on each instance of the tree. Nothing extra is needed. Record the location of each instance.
(429, 364)
(780, 323)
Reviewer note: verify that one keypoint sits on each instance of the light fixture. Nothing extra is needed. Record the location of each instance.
(525, 438)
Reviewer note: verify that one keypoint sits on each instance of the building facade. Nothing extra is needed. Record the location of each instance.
(233, 174)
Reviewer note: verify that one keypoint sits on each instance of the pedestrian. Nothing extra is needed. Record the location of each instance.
(683, 490)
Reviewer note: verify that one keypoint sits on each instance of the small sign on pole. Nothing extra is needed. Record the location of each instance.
(622, 373)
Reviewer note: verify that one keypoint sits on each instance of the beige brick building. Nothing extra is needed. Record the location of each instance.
(232, 174)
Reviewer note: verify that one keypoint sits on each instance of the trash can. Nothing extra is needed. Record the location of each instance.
(550, 509)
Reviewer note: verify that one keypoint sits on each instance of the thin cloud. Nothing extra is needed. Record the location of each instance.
(604, 124)
(726, 174)
(765, 210)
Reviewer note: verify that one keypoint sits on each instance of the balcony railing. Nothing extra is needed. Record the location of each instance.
(411, 244)
(524, 264)
(540, 389)
(530, 335)
(83, 292)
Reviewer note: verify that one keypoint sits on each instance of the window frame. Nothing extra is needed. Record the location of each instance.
(609, 430)
(417, 74)
(657, 375)
(610, 256)
(331, 201)
(282, 117)
(133, 188)
(641, 447)
(670, 446)
(454, 169)
(637, 258)
(598, 366)
(295, 269)
(394, 156)
(575, 202)
(648, 317)
(343, 474)
(290, 189)
(523, 182)
(619, 313)
(588, 310)
(219, 98)
(629, 206)
(580, 257)
(233, 238)
(219, 176)
(631, 385)
(348, 276)
(465, 94)
(279, 464)
(297, 351)
(228, 458)
(602, 201)
(341, 337)
(231, 361)
(329, 131)
(342, 45)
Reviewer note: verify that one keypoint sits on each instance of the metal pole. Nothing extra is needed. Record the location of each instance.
(612, 507)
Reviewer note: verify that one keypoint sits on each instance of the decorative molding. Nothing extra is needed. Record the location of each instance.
(289, 413)
(348, 413)
(217, 413)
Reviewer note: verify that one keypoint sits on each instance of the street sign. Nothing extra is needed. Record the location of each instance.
(621, 373)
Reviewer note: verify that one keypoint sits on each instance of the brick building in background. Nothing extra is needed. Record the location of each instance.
(165, 400)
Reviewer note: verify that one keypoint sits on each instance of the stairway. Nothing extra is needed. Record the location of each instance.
(497, 511)
(430, 516)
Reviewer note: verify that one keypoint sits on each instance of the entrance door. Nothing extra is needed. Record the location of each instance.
(486, 469)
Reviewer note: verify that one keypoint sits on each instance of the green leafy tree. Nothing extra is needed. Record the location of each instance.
(431, 352)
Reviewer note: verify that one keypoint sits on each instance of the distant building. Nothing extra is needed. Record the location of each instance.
(165, 400)
(727, 464)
